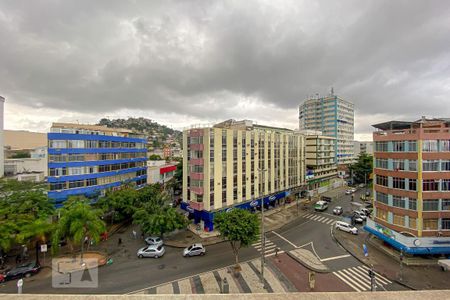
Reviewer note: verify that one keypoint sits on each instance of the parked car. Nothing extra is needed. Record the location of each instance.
(444, 264)
(194, 250)
(154, 240)
(357, 219)
(353, 190)
(361, 185)
(348, 192)
(338, 210)
(365, 211)
(151, 251)
(24, 270)
(346, 227)
(321, 205)
(325, 198)
(360, 213)
(2, 278)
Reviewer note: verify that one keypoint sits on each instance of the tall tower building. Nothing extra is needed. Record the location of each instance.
(334, 117)
(2, 150)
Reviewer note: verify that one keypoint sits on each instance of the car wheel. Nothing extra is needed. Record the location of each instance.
(156, 256)
(203, 253)
(140, 256)
(27, 275)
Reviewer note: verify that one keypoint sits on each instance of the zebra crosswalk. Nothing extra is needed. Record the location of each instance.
(320, 218)
(358, 278)
(270, 248)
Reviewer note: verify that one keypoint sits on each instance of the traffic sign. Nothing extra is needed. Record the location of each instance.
(44, 248)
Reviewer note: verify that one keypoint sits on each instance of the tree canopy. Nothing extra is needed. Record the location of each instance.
(240, 227)
(362, 168)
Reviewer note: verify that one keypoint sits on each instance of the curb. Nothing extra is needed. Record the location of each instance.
(364, 263)
(306, 265)
(178, 245)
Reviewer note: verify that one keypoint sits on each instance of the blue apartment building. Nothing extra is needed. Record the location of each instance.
(88, 160)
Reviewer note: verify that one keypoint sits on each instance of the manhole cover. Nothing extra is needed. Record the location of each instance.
(161, 266)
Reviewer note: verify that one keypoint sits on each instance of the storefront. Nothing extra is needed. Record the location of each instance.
(207, 217)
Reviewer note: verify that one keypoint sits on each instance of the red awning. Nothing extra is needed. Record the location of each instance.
(167, 169)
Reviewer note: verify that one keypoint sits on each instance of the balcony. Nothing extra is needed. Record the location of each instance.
(196, 205)
(197, 147)
(197, 190)
(196, 176)
(196, 162)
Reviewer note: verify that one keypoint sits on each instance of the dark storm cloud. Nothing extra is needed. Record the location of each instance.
(203, 58)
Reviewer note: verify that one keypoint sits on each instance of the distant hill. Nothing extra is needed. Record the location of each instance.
(157, 134)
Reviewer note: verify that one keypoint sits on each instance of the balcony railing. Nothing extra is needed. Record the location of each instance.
(197, 190)
(196, 161)
(196, 176)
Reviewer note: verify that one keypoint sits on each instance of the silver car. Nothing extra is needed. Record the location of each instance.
(193, 250)
(154, 240)
(151, 251)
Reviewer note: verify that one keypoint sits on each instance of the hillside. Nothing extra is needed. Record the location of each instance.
(158, 135)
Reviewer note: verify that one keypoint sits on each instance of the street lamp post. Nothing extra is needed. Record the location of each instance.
(263, 235)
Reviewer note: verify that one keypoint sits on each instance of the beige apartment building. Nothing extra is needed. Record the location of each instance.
(320, 160)
(237, 164)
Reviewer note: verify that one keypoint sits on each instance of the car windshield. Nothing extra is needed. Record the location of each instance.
(159, 248)
(190, 247)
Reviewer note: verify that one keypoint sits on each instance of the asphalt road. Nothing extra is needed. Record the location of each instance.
(132, 273)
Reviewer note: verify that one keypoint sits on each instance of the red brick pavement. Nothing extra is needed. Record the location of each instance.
(298, 275)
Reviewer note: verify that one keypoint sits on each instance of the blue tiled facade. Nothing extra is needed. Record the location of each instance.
(89, 164)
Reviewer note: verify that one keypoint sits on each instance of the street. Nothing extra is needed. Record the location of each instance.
(311, 231)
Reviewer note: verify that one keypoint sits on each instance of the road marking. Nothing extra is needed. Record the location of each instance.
(321, 219)
(284, 239)
(335, 257)
(357, 279)
(347, 282)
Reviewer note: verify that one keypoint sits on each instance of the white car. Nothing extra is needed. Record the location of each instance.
(194, 250)
(353, 190)
(151, 251)
(154, 240)
(360, 214)
(346, 227)
(348, 192)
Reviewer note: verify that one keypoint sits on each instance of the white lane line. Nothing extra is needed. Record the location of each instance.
(305, 245)
(267, 246)
(377, 275)
(330, 222)
(321, 219)
(256, 244)
(315, 218)
(335, 257)
(307, 216)
(284, 239)
(273, 253)
(341, 277)
(356, 280)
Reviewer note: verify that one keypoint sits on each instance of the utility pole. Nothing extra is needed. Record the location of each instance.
(263, 235)
(401, 265)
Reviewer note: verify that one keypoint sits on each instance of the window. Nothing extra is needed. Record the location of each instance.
(382, 197)
(76, 171)
(445, 204)
(398, 146)
(398, 202)
(445, 145)
(57, 186)
(412, 223)
(412, 146)
(399, 164)
(75, 144)
(399, 220)
(430, 165)
(382, 214)
(381, 163)
(430, 185)
(91, 182)
(413, 165)
(398, 183)
(381, 146)
(445, 165)
(382, 180)
(412, 184)
(445, 185)
(76, 184)
(430, 224)
(431, 205)
(445, 224)
(58, 144)
(430, 146)
(412, 204)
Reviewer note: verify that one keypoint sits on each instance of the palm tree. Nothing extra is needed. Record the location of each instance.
(78, 221)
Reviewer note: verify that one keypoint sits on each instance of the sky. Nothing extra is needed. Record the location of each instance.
(197, 62)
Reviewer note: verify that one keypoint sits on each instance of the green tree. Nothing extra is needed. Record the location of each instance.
(362, 169)
(240, 227)
(24, 209)
(21, 154)
(156, 216)
(121, 202)
(155, 157)
(38, 230)
(78, 221)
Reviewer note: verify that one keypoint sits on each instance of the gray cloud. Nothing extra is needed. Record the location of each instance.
(204, 59)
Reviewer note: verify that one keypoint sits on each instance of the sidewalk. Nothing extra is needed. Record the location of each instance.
(414, 277)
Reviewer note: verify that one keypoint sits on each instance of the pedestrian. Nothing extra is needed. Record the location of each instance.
(18, 259)
(119, 242)
(24, 251)
(142, 235)
(134, 234)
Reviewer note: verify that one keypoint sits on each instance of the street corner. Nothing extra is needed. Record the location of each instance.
(75, 272)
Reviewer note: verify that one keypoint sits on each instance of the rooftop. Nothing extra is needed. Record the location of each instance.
(90, 127)
(399, 125)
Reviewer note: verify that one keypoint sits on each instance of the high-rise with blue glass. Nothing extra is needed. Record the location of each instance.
(88, 160)
(334, 117)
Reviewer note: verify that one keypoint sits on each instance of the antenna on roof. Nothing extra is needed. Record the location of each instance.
(332, 91)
